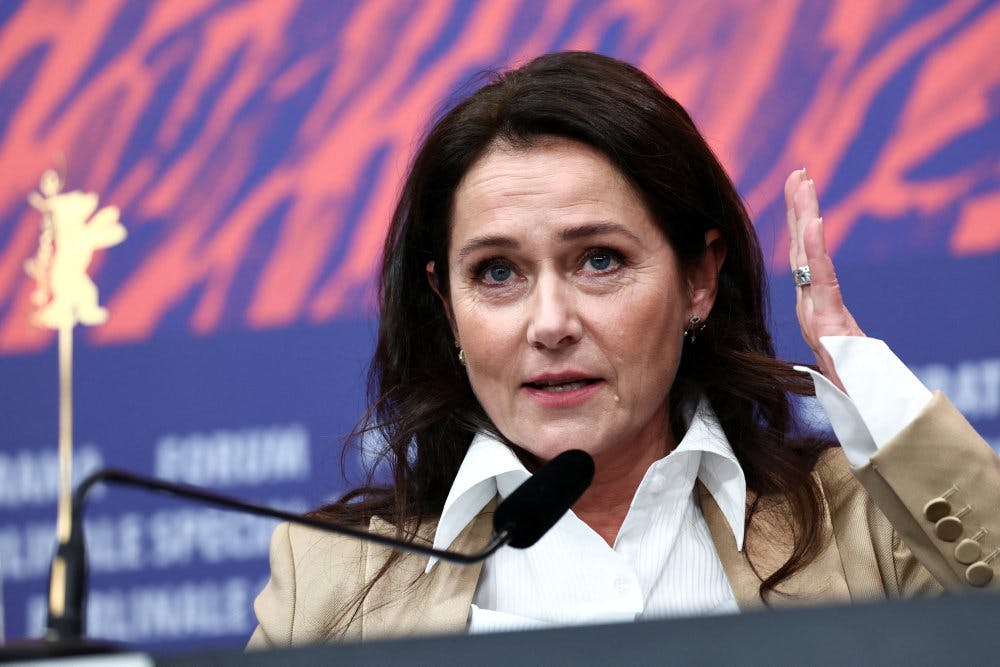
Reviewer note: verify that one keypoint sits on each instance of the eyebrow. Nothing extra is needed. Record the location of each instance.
(571, 234)
(596, 229)
(486, 242)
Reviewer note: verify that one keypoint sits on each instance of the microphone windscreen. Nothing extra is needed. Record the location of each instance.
(535, 506)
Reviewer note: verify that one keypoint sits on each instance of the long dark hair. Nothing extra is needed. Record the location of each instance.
(422, 404)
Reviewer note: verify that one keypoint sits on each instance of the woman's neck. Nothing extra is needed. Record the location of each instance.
(606, 502)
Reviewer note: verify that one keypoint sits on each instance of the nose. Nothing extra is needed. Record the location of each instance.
(553, 321)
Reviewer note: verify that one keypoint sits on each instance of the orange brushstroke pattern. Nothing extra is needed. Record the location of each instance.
(255, 147)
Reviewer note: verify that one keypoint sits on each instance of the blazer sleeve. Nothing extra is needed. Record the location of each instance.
(275, 605)
(938, 455)
(313, 575)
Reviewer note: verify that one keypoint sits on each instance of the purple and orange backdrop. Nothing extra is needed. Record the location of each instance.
(255, 149)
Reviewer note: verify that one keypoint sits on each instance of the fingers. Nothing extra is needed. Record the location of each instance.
(796, 255)
(819, 306)
(823, 301)
(814, 245)
(805, 203)
(802, 206)
(825, 291)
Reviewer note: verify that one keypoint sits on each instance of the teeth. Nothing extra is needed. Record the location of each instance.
(565, 386)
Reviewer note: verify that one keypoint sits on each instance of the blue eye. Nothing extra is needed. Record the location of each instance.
(603, 260)
(600, 261)
(494, 272)
(499, 273)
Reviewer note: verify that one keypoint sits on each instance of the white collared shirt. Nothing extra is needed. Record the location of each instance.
(663, 562)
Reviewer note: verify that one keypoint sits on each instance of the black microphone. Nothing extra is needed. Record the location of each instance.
(535, 506)
(520, 520)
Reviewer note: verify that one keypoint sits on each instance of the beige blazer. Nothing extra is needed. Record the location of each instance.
(880, 545)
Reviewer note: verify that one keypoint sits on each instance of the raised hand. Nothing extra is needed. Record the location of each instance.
(818, 301)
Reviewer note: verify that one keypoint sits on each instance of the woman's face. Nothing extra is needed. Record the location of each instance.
(568, 301)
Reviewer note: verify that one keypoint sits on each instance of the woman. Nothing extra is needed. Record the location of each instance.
(570, 267)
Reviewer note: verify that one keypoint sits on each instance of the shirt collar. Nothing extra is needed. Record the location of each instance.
(720, 471)
(491, 468)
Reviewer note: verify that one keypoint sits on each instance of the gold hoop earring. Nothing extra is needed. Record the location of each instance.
(461, 356)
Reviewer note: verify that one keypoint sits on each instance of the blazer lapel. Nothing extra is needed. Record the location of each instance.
(769, 543)
(408, 601)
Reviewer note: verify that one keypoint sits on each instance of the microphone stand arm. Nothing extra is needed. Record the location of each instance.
(69, 566)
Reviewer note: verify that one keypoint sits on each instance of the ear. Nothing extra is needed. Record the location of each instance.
(703, 275)
(432, 279)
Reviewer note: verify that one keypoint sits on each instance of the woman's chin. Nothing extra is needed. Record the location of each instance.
(549, 445)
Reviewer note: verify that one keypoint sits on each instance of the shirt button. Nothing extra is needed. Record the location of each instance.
(621, 585)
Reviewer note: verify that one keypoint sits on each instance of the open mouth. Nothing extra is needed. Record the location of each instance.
(557, 386)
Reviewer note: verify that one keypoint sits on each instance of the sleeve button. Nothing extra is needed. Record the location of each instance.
(968, 551)
(949, 528)
(937, 509)
(979, 574)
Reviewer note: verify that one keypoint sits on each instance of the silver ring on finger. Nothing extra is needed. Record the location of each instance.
(802, 276)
